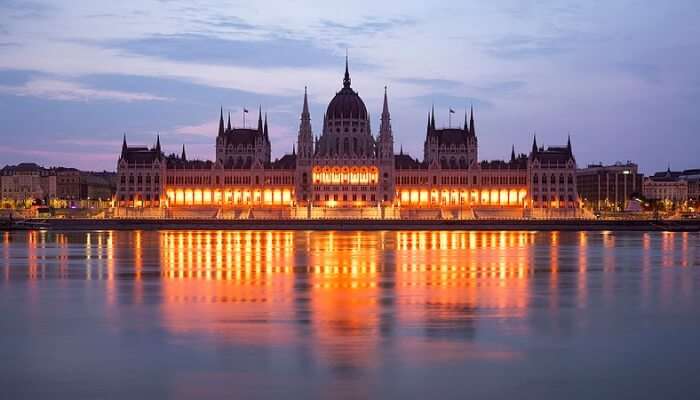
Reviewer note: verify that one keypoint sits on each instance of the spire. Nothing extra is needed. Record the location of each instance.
(184, 156)
(534, 143)
(294, 150)
(428, 127)
(401, 150)
(512, 154)
(568, 145)
(158, 144)
(228, 127)
(432, 118)
(124, 147)
(260, 122)
(221, 122)
(346, 79)
(265, 132)
(305, 110)
(466, 124)
(472, 131)
(385, 109)
(385, 126)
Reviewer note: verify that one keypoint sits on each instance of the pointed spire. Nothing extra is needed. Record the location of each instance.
(265, 132)
(221, 122)
(294, 151)
(472, 131)
(183, 156)
(346, 79)
(428, 126)
(305, 110)
(401, 150)
(466, 124)
(385, 108)
(228, 126)
(568, 145)
(432, 118)
(534, 143)
(124, 147)
(158, 143)
(260, 121)
(512, 154)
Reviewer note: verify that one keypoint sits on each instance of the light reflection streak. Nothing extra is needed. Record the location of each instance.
(346, 290)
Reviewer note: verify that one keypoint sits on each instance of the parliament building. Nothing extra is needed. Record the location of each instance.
(347, 172)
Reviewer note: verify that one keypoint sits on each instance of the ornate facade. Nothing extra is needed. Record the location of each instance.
(348, 172)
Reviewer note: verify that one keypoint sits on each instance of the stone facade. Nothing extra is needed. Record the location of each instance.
(25, 183)
(349, 172)
(608, 187)
(666, 186)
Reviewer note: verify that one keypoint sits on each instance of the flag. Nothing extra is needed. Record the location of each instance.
(452, 111)
(245, 110)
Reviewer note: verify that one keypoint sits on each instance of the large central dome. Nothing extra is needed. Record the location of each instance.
(346, 103)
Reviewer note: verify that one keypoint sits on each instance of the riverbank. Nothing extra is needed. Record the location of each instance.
(356, 224)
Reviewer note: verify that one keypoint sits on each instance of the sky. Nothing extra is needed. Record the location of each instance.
(620, 76)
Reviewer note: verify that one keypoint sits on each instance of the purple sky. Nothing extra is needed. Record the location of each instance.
(620, 76)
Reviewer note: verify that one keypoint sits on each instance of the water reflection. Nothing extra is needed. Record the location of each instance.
(345, 305)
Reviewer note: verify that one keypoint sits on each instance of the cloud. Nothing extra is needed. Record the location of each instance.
(433, 83)
(69, 91)
(270, 52)
(24, 9)
(457, 103)
(368, 26)
(522, 46)
(207, 128)
(649, 73)
(57, 155)
(502, 87)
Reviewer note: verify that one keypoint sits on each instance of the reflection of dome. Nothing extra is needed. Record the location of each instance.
(346, 103)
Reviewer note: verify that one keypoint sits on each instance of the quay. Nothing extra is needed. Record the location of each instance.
(354, 224)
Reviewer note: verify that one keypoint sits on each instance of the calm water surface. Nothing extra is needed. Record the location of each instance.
(229, 314)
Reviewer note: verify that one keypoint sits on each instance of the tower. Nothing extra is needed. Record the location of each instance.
(386, 153)
(472, 141)
(305, 146)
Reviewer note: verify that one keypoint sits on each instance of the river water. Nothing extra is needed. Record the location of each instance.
(297, 315)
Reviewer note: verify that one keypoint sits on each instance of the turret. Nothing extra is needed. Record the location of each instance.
(512, 154)
(472, 131)
(534, 144)
(305, 136)
(266, 135)
(466, 123)
(124, 147)
(221, 122)
(260, 121)
(228, 126)
(386, 137)
(183, 156)
(158, 145)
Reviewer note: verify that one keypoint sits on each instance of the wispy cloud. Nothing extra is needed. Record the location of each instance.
(70, 91)
(368, 26)
(433, 83)
(269, 52)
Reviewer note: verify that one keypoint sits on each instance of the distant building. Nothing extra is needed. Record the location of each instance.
(666, 186)
(608, 187)
(26, 182)
(692, 176)
(67, 184)
(347, 171)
